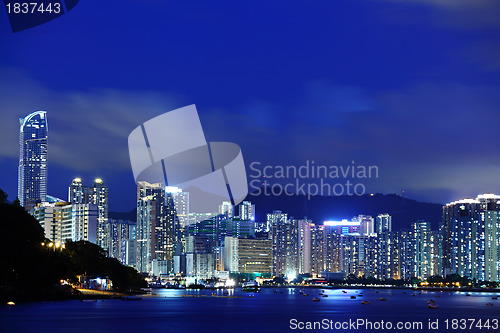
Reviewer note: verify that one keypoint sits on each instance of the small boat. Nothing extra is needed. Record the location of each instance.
(376, 292)
(404, 292)
(413, 295)
(325, 295)
(383, 299)
(494, 297)
(489, 304)
(433, 306)
(131, 298)
(467, 294)
(306, 294)
(353, 297)
(251, 296)
(345, 292)
(365, 302)
(437, 296)
(315, 299)
(431, 302)
(11, 303)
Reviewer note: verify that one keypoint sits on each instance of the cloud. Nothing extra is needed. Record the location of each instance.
(461, 14)
(432, 139)
(87, 129)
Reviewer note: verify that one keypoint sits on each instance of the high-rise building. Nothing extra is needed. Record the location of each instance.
(63, 221)
(246, 255)
(97, 195)
(384, 223)
(283, 233)
(358, 255)
(317, 249)
(422, 249)
(344, 226)
(158, 228)
(226, 208)
(32, 171)
(84, 222)
(55, 219)
(332, 249)
(405, 244)
(469, 237)
(120, 233)
(367, 224)
(388, 266)
(247, 211)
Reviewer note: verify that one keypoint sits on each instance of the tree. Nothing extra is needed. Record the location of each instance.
(3, 197)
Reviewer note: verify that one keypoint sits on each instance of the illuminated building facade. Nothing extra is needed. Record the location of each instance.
(388, 265)
(120, 235)
(247, 255)
(423, 249)
(97, 195)
(55, 219)
(246, 211)
(158, 228)
(469, 236)
(283, 233)
(32, 171)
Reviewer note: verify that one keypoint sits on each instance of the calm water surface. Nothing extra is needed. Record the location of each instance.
(168, 311)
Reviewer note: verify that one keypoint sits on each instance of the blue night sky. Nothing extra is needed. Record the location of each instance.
(411, 86)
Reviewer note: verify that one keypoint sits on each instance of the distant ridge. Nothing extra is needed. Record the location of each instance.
(404, 211)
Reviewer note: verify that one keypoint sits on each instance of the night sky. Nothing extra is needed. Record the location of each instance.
(412, 86)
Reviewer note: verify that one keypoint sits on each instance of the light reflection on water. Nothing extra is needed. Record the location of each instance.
(233, 310)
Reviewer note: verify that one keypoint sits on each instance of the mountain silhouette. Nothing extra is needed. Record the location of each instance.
(404, 211)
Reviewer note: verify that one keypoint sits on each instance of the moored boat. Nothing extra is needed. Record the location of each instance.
(251, 286)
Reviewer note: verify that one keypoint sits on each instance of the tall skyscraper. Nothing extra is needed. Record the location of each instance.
(470, 238)
(422, 249)
(158, 228)
(32, 172)
(358, 255)
(388, 267)
(247, 211)
(284, 236)
(97, 195)
(367, 224)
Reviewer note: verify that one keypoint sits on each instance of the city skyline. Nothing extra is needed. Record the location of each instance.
(409, 86)
(170, 240)
(250, 166)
